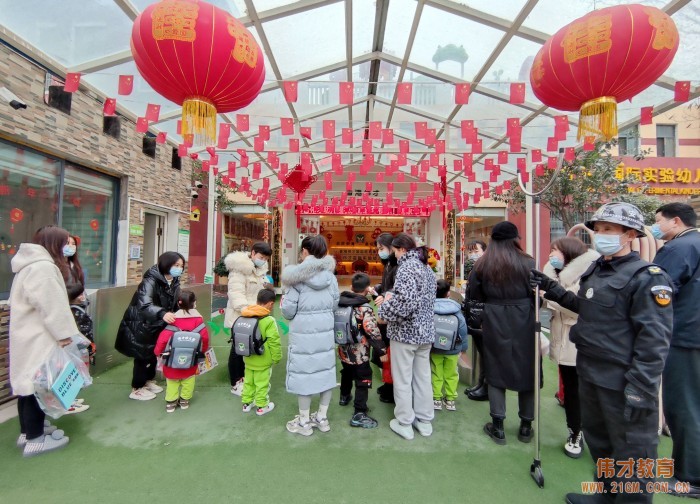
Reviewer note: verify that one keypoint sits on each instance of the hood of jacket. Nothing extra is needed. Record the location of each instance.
(240, 262)
(29, 253)
(572, 272)
(446, 306)
(348, 298)
(192, 314)
(154, 272)
(308, 273)
(255, 311)
(409, 255)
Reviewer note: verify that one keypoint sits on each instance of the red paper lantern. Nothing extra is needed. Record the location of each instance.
(200, 56)
(605, 57)
(16, 215)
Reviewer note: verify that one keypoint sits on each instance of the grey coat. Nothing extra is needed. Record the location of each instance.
(310, 296)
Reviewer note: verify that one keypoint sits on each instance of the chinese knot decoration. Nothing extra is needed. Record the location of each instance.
(299, 180)
(601, 59)
(200, 56)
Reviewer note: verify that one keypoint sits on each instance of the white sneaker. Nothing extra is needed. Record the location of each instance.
(405, 431)
(321, 424)
(152, 386)
(266, 409)
(77, 408)
(237, 389)
(78, 401)
(296, 427)
(247, 407)
(45, 443)
(437, 404)
(425, 429)
(450, 405)
(142, 394)
(574, 444)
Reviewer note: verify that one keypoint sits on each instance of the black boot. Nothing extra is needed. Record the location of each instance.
(494, 430)
(481, 394)
(525, 431)
(479, 384)
(345, 399)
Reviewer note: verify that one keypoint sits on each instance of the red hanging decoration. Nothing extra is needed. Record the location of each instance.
(16, 215)
(95, 225)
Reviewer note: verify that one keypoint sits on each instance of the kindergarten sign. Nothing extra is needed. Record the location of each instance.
(662, 175)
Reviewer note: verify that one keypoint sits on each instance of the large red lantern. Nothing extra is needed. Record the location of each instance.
(605, 57)
(199, 56)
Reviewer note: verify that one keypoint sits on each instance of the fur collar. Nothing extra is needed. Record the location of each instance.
(240, 262)
(572, 272)
(304, 271)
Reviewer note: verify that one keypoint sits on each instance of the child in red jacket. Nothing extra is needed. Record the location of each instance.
(180, 382)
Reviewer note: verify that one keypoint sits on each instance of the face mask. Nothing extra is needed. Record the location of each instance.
(68, 250)
(384, 255)
(556, 262)
(175, 272)
(259, 263)
(474, 256)
(656, 232)
(607, 245)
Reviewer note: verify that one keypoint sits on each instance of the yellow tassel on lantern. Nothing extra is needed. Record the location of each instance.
(598, 117)
(199, 120)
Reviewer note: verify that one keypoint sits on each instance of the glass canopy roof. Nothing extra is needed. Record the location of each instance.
(389, 41)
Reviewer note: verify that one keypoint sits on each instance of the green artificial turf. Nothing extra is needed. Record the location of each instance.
(128, 451)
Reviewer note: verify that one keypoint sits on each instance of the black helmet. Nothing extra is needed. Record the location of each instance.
(625, 214)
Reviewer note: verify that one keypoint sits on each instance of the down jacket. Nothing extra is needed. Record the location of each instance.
(244, 283)
(562, 350)
(310, 296)
(40, 315)
(143, 319)
(409, 312)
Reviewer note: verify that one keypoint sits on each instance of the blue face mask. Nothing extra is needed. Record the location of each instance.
(607, 245)
(384, 255)
(68, 250)
(556, 263)
(656, 232)
(259, 263)
(175, 272)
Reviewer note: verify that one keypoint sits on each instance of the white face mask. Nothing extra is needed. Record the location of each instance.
(474, 256)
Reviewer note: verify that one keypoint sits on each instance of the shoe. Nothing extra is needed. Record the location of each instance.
(77, 408)
(170, 406)
(345, 399)
(265, 409)
(78, 401)
(362, 420)
(405, 431)
(296, 427)
(450, 405)
(321, 424)
(574, 444)
(437, 404)
(142, 394)
(525, 431)
(480, 394)
(425, 429)
(247, 407)
(44, 444)
(494, 430)
(476, 387)
(48, 430)
(152, 386)
(183, 403)
(237, 389)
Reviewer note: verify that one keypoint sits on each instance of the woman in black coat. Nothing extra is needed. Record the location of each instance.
(501, 280)
(390, 263)
(151, 309)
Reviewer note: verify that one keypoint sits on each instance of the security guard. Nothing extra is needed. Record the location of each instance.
(622, 336)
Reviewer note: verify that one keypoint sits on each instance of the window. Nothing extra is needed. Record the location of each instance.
(628, 142)
(665, 140)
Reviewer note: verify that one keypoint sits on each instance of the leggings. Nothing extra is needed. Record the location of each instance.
(31, 416)
(305, 400)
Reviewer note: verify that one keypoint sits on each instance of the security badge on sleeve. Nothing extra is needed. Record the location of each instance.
(662, 293)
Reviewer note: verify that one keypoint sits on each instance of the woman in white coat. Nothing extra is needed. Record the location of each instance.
(246, 277)
(568, 260)
(40, 320)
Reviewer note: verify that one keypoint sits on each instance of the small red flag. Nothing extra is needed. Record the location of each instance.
(552, 162)
(72, 82)
(462, 91)
(468, 161)
(589, 143)
(569, 154)
(179, 127)
(152, 112)
(366, 146)
(682, 91)
(214, 160)
(430, 137)
(404, 92)
(162, 136)
(388, 136)
(517, 92)
(434, 161)
(305, 132)
(224, 133)
(205, 166)
(552, 144)
(291, 89)
(525, 177)
(403, 146)
(258, 144)
(242, 122)
(346, 92)
(328, 128)
(231, 169)
(513, 126)
(330, 146)
(188, 139)
(347, 136)
(142, 125)
(439, 147)
(264, 132)
(536, 155)
(477, 147)
(646, 115)
(521, 163)
(182, 150)
(458, 165)
(539, 170)
(126, 84)
(293, 145)
(421, 128)
(110, 107)
(494, 176)
(516, 144)
(287, 126)
(502, 157)
(375, 130)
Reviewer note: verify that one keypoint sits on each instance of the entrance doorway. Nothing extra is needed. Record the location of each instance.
(153, 238)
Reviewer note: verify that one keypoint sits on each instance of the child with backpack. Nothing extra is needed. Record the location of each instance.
(259, 357)
(359, 326)
(444, 355)
(182, 342)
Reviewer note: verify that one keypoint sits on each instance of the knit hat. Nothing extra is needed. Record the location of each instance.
(504, 231)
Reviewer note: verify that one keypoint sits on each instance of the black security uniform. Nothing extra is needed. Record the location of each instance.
(622, 336)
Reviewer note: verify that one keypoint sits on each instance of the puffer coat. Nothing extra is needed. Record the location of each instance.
(310, 296)
(143, 319)
(409, 312)
(244, 283)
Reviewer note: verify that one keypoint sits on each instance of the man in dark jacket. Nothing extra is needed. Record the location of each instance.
(622, 336)
(680, 257)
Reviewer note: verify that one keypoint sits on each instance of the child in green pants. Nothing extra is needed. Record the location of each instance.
(258, 368)
(443, 363)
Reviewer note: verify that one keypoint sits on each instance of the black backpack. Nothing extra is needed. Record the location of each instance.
(246, 337)
(345, 328)
(446, 332)
(184, 348)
